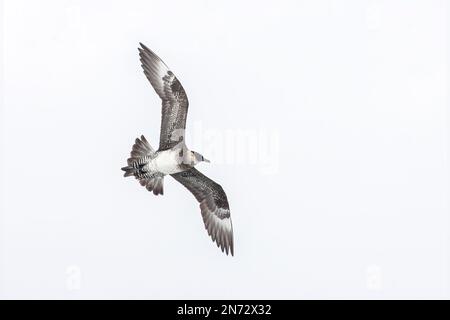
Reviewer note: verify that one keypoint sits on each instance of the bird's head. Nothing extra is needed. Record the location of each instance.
(197, 157)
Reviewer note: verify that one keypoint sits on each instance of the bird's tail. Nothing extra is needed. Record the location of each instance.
(137, 168)
(141, 154)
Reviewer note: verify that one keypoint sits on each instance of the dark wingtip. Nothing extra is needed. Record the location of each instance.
(143, 46)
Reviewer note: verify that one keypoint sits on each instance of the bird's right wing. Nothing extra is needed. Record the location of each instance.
(213, 204)
(174, 99)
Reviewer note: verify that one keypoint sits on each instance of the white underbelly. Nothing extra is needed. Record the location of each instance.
(166, 162)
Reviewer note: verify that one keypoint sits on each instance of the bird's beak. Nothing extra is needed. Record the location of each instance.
(206, 160)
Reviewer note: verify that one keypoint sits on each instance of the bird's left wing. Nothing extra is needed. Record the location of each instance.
(213, 204)
(174, 99)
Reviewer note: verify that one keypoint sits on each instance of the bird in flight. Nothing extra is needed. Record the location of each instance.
(173, 158)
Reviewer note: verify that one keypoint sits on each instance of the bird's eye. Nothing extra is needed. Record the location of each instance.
(202, 158)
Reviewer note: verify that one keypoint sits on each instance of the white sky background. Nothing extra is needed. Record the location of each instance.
(349, 98)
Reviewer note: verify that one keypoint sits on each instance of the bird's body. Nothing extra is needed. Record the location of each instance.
(166, 162)
(174, 158)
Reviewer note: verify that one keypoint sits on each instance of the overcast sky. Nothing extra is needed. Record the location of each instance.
(325, 122)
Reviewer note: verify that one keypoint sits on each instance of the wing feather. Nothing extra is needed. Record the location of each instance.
(213, 206)
(174, 99)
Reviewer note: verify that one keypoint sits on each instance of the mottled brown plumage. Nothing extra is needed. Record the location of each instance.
(174, 158)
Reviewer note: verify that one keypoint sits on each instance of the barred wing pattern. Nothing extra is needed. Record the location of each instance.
(213, 204)
(174, 99)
